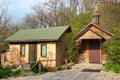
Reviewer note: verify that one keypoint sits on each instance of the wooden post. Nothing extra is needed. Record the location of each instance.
(47, 62)
(66, 64)
(39, 66)
(22, 67)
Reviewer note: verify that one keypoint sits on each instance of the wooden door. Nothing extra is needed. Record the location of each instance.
(94, 54)
(32, 52)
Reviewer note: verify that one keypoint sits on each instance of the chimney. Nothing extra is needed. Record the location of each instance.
(95, 18)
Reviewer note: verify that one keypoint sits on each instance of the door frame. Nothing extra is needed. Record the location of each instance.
(96, 47)
(86, 52)
(34, 44)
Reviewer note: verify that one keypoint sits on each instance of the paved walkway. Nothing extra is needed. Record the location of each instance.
(88, 73)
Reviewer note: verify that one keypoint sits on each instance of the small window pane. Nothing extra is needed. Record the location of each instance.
(22, 50)
(44, 50)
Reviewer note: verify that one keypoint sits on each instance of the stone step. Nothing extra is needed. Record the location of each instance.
(77, 67)
(26, 66)
(28, 73)
(87, 65)
(27, 70)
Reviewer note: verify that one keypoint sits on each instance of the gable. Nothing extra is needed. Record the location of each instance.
(100, 32)
(93, 31)
(89, 35)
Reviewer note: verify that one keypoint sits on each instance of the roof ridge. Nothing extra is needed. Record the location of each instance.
(45, 28)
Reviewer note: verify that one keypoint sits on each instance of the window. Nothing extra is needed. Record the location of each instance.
(43, 50)
(5, 58)
(22, 50)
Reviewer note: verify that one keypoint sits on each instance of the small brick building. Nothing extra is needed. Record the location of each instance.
(37, 44)
(89, 42)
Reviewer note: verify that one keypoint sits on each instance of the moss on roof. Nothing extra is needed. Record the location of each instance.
(39, 34)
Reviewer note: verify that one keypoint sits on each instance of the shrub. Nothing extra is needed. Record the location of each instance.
(108, 66)
(71, 48)
(5, 72)
(17, 73)
(112, 48)
(44, 70)
(113, 67)
(1, 67)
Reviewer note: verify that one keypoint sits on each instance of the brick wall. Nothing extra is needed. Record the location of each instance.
(61, 52)
(13, 56)
(51, 54)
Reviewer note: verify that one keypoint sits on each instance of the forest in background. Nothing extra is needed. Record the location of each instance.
(76, 13)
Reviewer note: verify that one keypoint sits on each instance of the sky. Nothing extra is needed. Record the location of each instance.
(17, 9)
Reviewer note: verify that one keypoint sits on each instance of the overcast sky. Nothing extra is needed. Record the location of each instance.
(19, 8)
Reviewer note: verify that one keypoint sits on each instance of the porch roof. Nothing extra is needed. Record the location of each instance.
(95, 32)
(40, 34)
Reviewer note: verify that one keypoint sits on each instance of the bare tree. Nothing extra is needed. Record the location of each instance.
(4, 22)
(52, 13)
(4, 17)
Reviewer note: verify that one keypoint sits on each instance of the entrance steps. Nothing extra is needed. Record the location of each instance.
(27, 70)
(87, 66)
(26, 66)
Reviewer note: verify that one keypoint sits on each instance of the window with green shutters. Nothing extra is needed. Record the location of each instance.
(43, 50)
(22, 50)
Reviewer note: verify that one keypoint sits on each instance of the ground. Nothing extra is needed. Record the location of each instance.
(86, 73)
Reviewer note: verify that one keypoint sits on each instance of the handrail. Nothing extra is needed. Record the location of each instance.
(34, 65)
(40, 61)
(37, 62)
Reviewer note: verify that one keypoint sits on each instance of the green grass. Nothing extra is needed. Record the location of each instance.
(113, 67)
